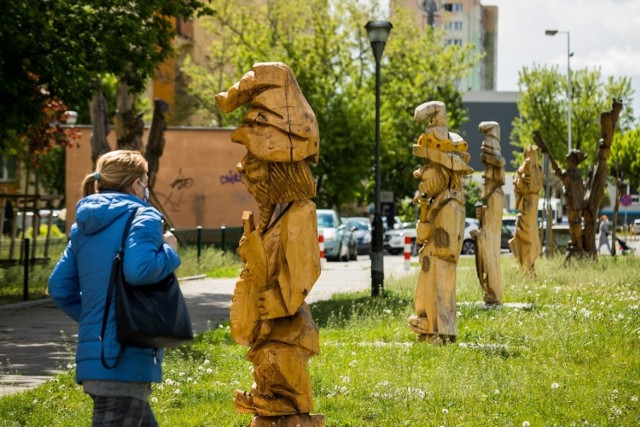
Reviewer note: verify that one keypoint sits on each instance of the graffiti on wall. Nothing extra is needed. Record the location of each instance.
(174, 200)
(230, 177)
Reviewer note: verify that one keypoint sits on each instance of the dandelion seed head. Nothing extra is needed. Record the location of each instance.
(525, 424)
(555, 385)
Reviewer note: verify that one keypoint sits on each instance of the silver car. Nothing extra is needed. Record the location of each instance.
(339, 240)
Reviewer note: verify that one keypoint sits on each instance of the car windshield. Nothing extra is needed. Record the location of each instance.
(326, 220)
(359, 224)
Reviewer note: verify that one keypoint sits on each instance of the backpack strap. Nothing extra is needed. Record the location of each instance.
(119, 257)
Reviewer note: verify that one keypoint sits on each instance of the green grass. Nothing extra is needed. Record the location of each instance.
(573, 359)
(212, 263)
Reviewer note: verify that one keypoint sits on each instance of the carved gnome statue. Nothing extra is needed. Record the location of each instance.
(281, 254)
(487, 237)
(441, 226)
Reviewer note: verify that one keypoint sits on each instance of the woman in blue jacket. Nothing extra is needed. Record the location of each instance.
(79, 283)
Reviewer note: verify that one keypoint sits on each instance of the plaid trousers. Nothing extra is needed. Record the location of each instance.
(111, 411)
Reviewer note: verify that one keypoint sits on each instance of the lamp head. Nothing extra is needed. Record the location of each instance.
(551, 32)
(378, 32)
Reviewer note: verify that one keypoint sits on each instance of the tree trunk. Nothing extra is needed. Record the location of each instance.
(155, 141)
(128, 127)
(595, 189)
(99, 126)
(153, 151)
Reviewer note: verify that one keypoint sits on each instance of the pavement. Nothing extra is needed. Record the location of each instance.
(38, 341)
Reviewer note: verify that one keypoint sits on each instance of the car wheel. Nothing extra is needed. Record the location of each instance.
(468, 247)
(344, 252)
(395, 251)
(353, 253)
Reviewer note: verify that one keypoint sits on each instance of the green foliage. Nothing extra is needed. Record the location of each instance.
(65, 45)
(326, 46)
(625, 153)
(472, 194)
(543, 106)
(213, 262)
(569, 358)
(42, 232)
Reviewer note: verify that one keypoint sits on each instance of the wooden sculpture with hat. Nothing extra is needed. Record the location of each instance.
(441, 226)
(281, 254)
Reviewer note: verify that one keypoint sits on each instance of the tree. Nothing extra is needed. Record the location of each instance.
(543, 107)
(65, 45)
(326, 45)
(625, 156)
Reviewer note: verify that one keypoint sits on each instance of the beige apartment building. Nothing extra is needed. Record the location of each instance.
(464, 22)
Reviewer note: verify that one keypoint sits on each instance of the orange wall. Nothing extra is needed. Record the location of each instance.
(197, 183)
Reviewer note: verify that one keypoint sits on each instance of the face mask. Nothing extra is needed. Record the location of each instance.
(146, 192)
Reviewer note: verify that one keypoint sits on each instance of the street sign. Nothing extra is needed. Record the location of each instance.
(626, 200)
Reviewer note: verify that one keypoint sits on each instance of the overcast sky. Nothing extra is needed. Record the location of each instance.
(603, 33)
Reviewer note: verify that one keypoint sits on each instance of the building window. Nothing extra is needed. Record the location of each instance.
(454, 42)
(453, 7)
(453, 26)
(184, 28)
(7, 169)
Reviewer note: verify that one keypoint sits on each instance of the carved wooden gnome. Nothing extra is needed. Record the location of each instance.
(281, 254)
(441, 226)
(487, 237)
(525, 244)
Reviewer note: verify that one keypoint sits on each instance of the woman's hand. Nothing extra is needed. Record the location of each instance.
(170, 240)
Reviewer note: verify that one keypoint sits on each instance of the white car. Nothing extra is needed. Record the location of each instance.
(394, 239)
(468, 244)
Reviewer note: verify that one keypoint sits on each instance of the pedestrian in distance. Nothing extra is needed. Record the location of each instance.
(603, 238)
(79, 283)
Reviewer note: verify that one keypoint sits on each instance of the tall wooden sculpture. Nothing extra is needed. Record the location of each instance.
(487, 237)
(441, 226)
(525, 244)
(573, 191)
(281, 253)
(583, 199)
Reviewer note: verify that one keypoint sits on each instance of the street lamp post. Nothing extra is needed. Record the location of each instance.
(378, 32)
(569, 54)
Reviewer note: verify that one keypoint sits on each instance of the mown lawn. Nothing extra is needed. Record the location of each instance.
(571, 358)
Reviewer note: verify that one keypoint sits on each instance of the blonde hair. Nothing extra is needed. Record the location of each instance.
(115, 170)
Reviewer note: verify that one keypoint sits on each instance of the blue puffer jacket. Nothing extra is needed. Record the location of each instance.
(79, 282)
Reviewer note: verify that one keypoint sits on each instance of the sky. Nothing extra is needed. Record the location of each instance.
(603, 33)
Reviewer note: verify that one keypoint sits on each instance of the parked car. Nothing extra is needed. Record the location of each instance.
(468, 244)
(362, 233)
(339, 240)
(510, 223)
(505, 236)
(394, 239)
